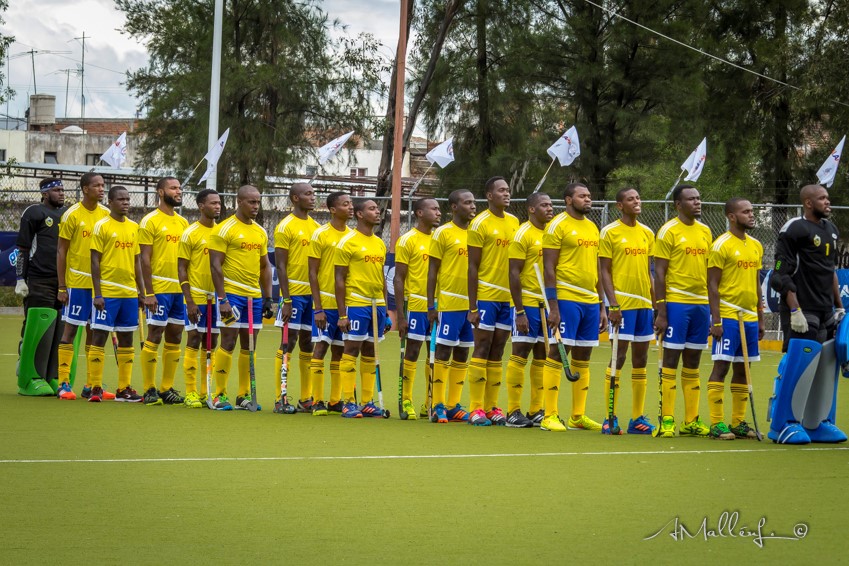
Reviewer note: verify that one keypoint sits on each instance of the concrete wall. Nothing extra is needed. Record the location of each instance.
(15, 144)
(71, 149)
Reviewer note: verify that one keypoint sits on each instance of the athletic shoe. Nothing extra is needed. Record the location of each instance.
(242, 403)
(826, 432)
(552, 423)
(439, 414)
(667, 427)
(583, 423)
(605, 427)
(171, 397)
(305, 406)
(720, 431)
(351, 411)
(96, 395)
(423, 410)
(319, 409)
(65, 392)
(202, 398)
(371, 410)
(282, 408)
(335, 407)
(478, 418)
(496, 416)
(517, 420)
(792, 433)
(537, 417)
(221, 403)
(127, 395)
(151, 397)
(743, 430)
(640, 425)
(107, 395)
(408, 412)
(458, 414)
(694, 428)
(192, 400)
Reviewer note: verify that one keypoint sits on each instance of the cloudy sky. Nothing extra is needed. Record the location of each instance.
(51, 26)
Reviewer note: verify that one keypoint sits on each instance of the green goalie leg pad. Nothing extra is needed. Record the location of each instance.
(35, 352)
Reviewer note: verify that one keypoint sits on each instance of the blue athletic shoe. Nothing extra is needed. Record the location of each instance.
(371, 410)
(458, 414)
(826, 432)
(792, 433)
(351, 411)
(640, 426)
(439, 414)
(605, 427)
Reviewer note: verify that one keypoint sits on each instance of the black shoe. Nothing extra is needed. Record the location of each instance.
(171, 397)
(335, 407)
(537, 417)
(151, 397)
(517, 420)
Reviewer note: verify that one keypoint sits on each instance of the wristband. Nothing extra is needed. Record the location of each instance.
(285, 300)
(616, 308)
(343, 317)
(794, 310)
(520, 313)
(551, 293)
(222, 299)
(431, 308)
(473, 310)
(717, 324)
(657, 302)
(183, 283)
(319, 311)
(151, 295)
(62, 290)
(99, 297)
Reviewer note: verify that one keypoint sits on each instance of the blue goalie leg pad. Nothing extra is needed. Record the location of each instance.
(820, 409)
(792, 386)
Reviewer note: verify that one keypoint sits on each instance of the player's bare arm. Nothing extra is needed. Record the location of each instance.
(340, 275)
(714, 277)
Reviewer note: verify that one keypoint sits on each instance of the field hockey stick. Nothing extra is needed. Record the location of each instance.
(748, 376)
(659, 384)
(431, 360)
(285, 407)
(252, 407)
(564, 358)
(209, 353)
(115, 348)
(401, 368)
(377, 359)
(142, 326)
(611, 397)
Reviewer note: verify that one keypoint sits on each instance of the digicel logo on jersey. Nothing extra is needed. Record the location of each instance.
(587, 243)
(169, 238)
(463, 252)
(86, 234)
(502, 242)
(250, 246)
(636, 251)
(695, 251)
(373, 259)
(425, 257)
(747, 264)
(123, 245)
(305, 243)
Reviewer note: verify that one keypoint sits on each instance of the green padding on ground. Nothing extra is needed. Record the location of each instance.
(35, 350)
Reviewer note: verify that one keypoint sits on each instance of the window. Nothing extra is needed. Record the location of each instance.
(359, 172)
(2, 155)
(311, 170)
(92, 159)
(50, 157)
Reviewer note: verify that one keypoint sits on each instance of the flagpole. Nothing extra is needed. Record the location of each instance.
(398, 149)
(666, 198)
(541, 181)
(193, 172)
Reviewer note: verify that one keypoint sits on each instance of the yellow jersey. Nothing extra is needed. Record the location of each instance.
(76, 226)
(629, 249)
(686, 248)
(739, 287)
(448, 244)
(243, 246)
(323, 247)
(194, 247)
(293, 235)
(162, 232)
(527, 246)
(492, 235)
(413, 250)
(577, 266)
(118, 244)
(364, 257)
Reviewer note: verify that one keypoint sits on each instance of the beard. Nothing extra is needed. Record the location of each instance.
(171, 201)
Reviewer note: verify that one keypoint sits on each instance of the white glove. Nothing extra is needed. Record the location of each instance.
(21, 288)
(839, 314)
(798, 322)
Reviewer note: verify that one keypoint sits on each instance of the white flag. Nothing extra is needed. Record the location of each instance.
(828, 170)
(695, 164)
(443, 154)
(116, 155)
(567, 148)
(213, 155)
(329, 150)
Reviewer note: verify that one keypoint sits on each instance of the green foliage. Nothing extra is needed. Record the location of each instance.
(5, 41)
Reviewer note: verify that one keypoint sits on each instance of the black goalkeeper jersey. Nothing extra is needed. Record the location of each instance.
(805, 257)
(40, 233)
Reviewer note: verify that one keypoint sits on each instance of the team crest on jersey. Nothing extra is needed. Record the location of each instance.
(817, 240)
(48, 221)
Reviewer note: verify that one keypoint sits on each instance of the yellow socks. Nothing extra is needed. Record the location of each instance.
(477, 384)
(170, 360)
(367, 378)
(581, 387)
(551, 374)
(316, 379)
(408, 376)
(96, 356)
(66, 358)
(493, 384)
(537, 388)
(223, 360)
(638, 392)
(440, 378)
(148, 364)
(668, 390)
(335, 382)
(716, 392)
(190, 369)
(348, 377)
(244, 365)
(515, 382)
(607, 391)
(692, 393)
(456, 378)
(739, 398)
(125, 366)
(304, 360)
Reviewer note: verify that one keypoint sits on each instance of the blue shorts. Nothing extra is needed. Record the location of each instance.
(637, 326)
(78, 309)
(201, 325)
(331, 334)
(119, 315)
(455, 329)
(362, 325)
(730, 348)
(301, 318)
(579, 323)
(495, 314)
(240, 311)
(418, 328)
(171, 309)
(536, 333)
(689, 326)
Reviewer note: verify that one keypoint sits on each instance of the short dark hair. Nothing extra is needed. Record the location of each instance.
(360, 204)
(570, 189)
(419, 204)
(334, 197)
(87, 178)
(534, 199)
(620, 194)
(200, 198)
(114, 189)
(454, 197)
(48, 180)
(732, 204)
(160, 184)
(490, 184)
(676, 192)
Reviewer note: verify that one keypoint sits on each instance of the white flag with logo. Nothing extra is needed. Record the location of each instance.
(213, 155)
(443, 154)
(695, 164)
(828, 170)
(116, 155)
(329, 150)
(567, 148)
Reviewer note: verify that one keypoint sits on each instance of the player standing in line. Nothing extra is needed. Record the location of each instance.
(73, 270)
(358, 261)
(196, 284)
(625, 252)
(490, 311)
(291, 246)
(238, 260)
(574, 295)
(525, 252)
(159, 237)
(447, 275)
(734, 287)
(680, 269)
(116, 277)
(325, 330)
(411, 263)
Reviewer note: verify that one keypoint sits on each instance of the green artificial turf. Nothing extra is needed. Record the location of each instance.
(128, 484)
